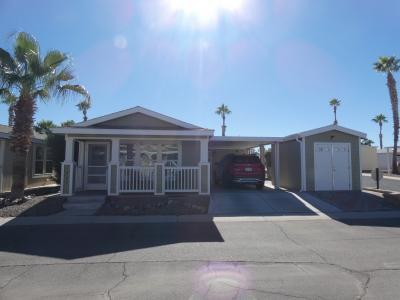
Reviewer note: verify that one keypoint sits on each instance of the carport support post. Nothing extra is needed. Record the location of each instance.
(277, 167)
(204, 169)
(67, 168)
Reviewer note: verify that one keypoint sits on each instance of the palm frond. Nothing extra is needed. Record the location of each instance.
(54, 58)
(7, 63)
(7, 97)
(67, 90)
(25, 47)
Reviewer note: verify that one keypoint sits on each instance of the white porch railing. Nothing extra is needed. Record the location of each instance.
(181, 179)
(136, 179)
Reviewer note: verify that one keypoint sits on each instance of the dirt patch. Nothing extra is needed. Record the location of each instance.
(136, 205)
(36, 206)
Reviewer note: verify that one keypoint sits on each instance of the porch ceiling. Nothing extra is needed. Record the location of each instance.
(240, 142)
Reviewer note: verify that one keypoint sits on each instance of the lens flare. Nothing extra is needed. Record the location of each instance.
(204, 12)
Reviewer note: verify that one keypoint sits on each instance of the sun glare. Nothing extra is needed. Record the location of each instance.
(204, 12)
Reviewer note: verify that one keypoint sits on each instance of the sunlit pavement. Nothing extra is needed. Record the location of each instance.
(223, 260)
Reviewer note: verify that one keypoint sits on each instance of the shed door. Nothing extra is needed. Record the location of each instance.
(332, 166)
(341, 166)
(323, 167)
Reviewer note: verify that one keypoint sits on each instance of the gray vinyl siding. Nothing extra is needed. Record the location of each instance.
(332, 137)
(137, 121)
(30, 181)
(290, 165)
(190, 153)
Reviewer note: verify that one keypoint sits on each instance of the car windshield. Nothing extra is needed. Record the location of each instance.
(246, 159)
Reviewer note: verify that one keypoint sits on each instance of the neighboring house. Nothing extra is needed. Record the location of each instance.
(139, 150)
(385, 159)
(369, 158)
(39, 167)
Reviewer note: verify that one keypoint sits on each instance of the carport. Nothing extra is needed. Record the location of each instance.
(220, 146)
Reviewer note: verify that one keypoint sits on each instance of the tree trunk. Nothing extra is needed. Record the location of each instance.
(21, 140)
(10, 115)
(223, 125)
(334, 112)
(84, 115)
(380, 136)
(391, 83)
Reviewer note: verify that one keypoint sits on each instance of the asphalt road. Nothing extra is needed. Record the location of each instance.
(321, 259)
(385, 184)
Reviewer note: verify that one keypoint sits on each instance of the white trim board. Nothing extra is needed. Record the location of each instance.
(136, 109)
(130, 132)
(325, 129)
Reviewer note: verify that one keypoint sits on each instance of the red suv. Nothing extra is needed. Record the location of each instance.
(242, 169)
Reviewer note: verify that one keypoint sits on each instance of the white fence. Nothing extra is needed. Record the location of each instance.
(136, 179)
(142, 179)
(181, 179)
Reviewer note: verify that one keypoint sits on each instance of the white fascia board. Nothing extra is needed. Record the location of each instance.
(130, 132)
(266, 140)
(136, 109)
(325, 129)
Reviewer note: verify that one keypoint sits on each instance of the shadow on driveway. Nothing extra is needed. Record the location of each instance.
(86, 240)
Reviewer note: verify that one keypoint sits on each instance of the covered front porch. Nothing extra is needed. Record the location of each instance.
(136, 164)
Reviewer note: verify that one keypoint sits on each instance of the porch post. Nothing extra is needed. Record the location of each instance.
(277, 167)
(204, 169)
(67, 168)
(113, 168)
(2, 150)
(159, 179)
(79, 167)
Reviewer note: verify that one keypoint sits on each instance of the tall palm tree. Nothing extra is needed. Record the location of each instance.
(335, 103)
(8, 99)
(380, 119)
(223, 110)
(83, 106)
(390, 65)
(32, 77)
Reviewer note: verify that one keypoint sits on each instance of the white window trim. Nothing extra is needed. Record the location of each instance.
(34, 175)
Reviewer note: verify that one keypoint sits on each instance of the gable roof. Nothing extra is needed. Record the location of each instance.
(136, 109)
(325, 129)
(5, 132)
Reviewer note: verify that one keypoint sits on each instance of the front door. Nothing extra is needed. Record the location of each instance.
(96, 165)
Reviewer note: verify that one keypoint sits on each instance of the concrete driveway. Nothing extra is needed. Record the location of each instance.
(248, 201)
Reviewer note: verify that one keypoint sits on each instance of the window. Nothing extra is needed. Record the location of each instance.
(148, 154)
(127, 154)
(42, 161)
(170, 155)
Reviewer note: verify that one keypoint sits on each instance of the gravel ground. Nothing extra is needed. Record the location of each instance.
(154, 205)
(37, 206)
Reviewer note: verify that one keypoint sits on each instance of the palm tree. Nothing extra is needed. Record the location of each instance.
(223, 110)
(9, 99)
(335, 103)
(389, 65)
(67, 123)
(380, 119)
(83, 106)
(32, 77)
(44, 126)
(366, 142)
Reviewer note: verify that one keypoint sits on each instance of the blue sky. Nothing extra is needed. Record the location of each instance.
(276, 64)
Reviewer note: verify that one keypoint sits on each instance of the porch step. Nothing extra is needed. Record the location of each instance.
(86, 202)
